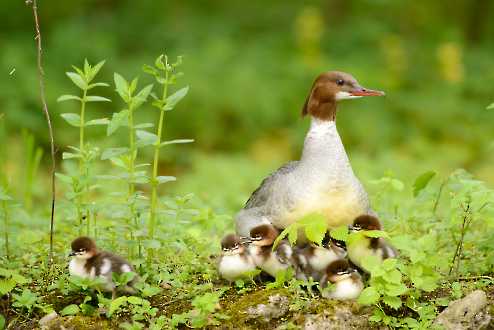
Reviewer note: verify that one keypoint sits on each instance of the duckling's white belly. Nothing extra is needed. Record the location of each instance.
(346, 289)
(235, 267)
(322, 258)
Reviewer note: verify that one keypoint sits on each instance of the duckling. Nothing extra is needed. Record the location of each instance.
(312, 260)
(346, 280)
(235, 262)
(369, 246)
(88, 262)
(262, 238)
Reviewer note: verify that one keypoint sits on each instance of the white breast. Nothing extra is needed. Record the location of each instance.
(235, 267)
(346, 289)
(76, 267)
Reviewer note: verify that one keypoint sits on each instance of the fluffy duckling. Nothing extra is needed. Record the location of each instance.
(235, 262)
(262, 238)
(88, 262)
(346, 280)
(312, 260)
(369, 246)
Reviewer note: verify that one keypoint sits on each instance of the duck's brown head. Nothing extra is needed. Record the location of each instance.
(83, 248)
(231, 244)
(329, 88)
(366, 222)
(339, 270)
(263, 235)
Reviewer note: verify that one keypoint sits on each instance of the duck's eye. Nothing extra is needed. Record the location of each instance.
(340, 82)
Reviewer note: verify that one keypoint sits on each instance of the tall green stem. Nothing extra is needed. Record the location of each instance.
(6, 229)
(131, 185)
(82, 184)
(154, 181)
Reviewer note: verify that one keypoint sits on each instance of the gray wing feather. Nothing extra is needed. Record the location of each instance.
(262, 193)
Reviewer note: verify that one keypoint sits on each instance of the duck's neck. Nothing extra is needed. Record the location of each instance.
(323, 148)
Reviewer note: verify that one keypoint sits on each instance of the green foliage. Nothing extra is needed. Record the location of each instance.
(202, 314)
(314, 226)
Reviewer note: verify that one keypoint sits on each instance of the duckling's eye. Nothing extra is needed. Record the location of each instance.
(340, 82)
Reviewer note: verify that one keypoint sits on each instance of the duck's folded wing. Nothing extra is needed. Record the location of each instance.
(260, 196)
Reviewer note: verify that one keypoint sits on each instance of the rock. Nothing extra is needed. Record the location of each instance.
(342, 318)
(43, 322)
(467, 313)
(276, 308)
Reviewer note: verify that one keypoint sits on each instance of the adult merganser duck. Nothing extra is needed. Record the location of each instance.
(88, 262)
(368, 246)
(323, 180)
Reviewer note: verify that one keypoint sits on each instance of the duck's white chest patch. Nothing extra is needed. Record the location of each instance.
(234, 267)
(76, 267)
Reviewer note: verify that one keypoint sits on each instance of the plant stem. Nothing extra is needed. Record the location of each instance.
(131, 186)
(6, 229)
(82, 162)
(154, 182)
(48, 121)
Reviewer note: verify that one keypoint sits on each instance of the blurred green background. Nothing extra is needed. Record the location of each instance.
(250, 65)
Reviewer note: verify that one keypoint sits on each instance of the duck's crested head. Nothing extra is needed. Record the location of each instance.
(263, 235)
(83, 247)
(366, 222)
(329, 88)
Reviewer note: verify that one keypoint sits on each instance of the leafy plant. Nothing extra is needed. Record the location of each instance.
(165, 74)
(81, 184)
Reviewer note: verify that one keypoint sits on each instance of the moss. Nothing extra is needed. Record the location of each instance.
(80, 323)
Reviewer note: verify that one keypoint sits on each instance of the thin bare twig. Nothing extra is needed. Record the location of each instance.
(41, 75)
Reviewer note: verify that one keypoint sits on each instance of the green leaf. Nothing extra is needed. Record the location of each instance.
(340, 233)
(116, 304)
(95, 98)
(118, 119)
(150, 291)
(98, 84)
(2, 322)
(121, 86)
(113, 152)
(146, 138)
(68, 97)
(72, 118)
(491, 106)
(389, 264)
(422, 181)
(315, 227)
(397, 184)
(393, 302)
(178, 141)
(101, 121)
(375, 233)
(368, 296)
(94, 70)
(371, 263)
(164, 179)
(142, 96)
(392, 276)
(70, 310)
(135, 300)
(77, 80)
(395, 289)
(173, 99)
(4, 196)
(6, 285)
